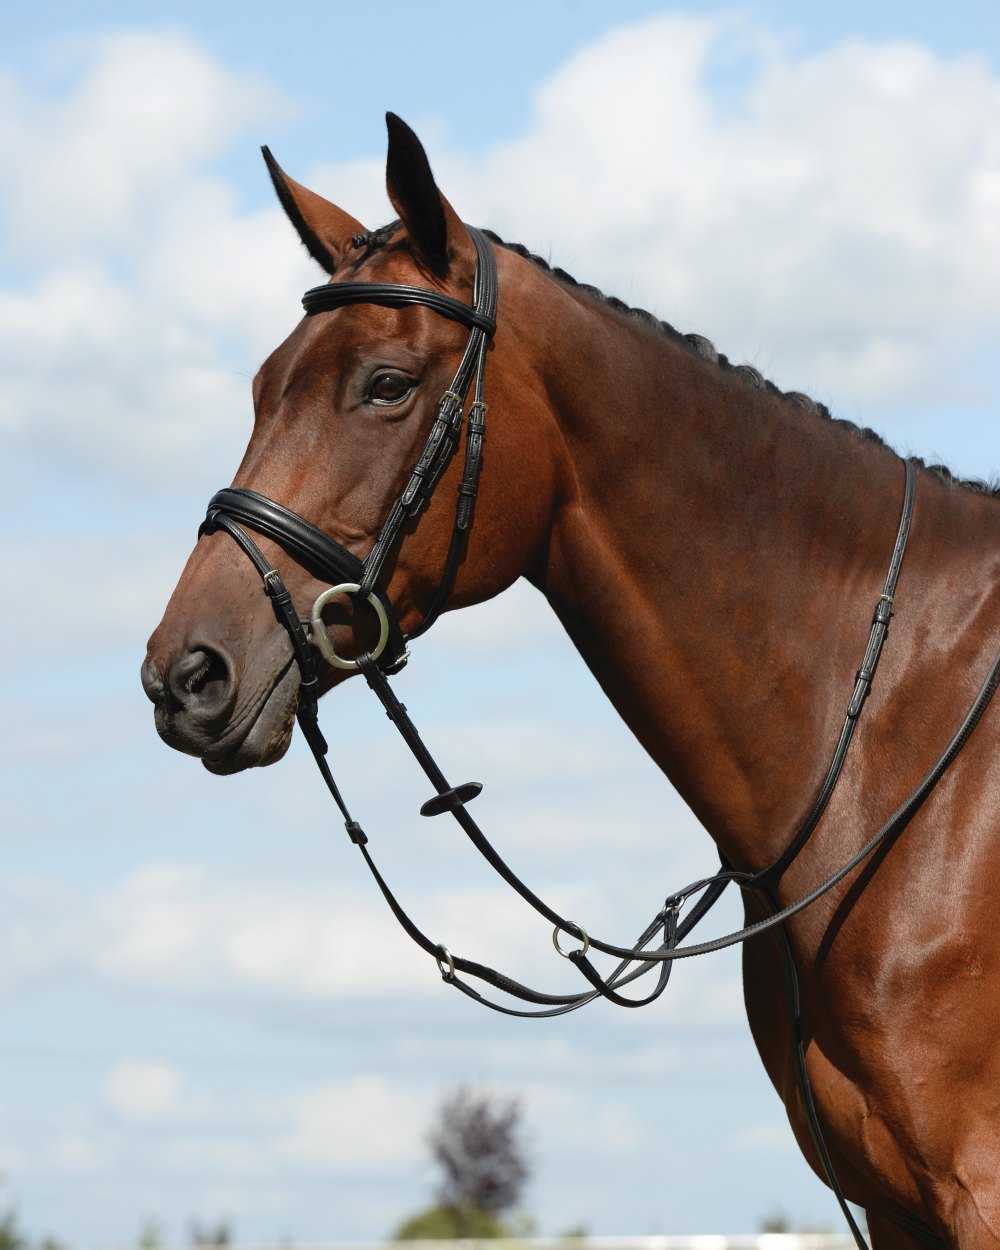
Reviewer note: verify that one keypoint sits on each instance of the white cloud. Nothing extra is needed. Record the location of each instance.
(12, 1158)
(362, 1125)
(768, 1135)
(37, 932)
(143, 1090)
(91, 167)
(175, 928)
(151, 298)
(519, 619)
(109, 591)
(838, 225)
(78, 1154)
(844, 201)
(534, 748)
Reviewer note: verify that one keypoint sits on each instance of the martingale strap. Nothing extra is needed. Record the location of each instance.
(639, 959)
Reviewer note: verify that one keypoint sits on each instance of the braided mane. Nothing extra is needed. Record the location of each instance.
(701, 347)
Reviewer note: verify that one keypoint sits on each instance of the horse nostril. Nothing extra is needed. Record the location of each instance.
(201, 682)
(152, 682)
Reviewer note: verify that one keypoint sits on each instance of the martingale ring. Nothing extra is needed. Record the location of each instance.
(445, 962)
(321, 636)
(578, 931)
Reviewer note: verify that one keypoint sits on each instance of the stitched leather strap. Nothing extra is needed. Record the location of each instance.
(308, 545)
(862, 686)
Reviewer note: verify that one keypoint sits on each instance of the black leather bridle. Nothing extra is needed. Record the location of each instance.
(326, 559)
(659, 945)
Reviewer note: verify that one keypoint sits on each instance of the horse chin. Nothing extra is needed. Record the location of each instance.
(269, 734)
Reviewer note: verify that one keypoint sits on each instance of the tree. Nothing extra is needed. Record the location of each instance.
(477, 1143)
(443, 1223)
(778, 1222)
(12, 1238)
(218, 1234)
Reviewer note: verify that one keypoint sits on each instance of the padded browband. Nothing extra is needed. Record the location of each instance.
(316, 551)
(394, 295)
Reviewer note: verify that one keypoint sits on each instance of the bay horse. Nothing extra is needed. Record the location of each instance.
(713, 548)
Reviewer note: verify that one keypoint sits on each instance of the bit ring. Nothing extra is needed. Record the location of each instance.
(321, 636)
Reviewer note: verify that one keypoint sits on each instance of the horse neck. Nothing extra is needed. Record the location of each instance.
(715, 556)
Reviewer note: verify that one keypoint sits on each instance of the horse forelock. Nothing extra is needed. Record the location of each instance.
(371, 242)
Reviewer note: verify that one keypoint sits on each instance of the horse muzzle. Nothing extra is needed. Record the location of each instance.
(203, 708)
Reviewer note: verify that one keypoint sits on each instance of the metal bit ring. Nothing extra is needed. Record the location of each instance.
(321, 636)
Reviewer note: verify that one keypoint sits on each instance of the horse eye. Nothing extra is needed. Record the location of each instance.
(389, 388)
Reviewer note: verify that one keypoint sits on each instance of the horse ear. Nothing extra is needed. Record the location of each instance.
(435, 229)
(324, 228)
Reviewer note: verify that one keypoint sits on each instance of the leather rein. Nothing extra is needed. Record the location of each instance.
(660, 943)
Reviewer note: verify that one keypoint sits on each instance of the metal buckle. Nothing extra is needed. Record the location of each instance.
(321, 636)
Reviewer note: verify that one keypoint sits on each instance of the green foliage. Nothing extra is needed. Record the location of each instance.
(11, 1237)
(218, 1234)
(150, 1235)
(778, 1222)
(476, 1143)
(444, 1223)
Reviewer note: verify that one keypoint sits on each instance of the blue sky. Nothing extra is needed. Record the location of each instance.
(207, 1013)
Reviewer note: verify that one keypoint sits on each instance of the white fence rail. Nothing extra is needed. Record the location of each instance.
(702, 1241)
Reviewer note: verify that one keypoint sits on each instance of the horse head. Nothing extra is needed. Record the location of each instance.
(343, 410)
